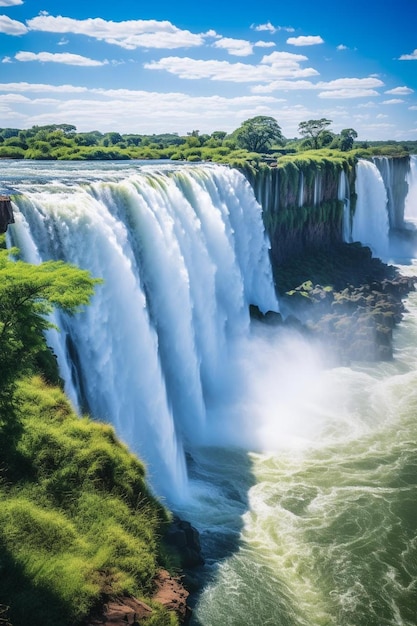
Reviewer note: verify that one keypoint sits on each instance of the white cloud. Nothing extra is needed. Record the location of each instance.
(393, 101)
(148, 112)
(341, 47)
(400, 91)
(130, 34)
(6, 60)
(11, 27)
(270, 28)
(348, 93)
(307, 40)
(264, 44)
(355, 87)
(381, 116)
(41, 88)
(13, 98)
(413, 108)
(63, 41)
(367, 105)
(66, 58)
(409, 57)
(352, 83)
(274, 66)
(236, 47)
(10, 3)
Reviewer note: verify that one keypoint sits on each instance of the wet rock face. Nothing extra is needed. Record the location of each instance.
(356, 323)
(185, 540)
(6, 213)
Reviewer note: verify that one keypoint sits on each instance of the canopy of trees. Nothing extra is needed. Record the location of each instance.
(259, 133)
(314, 131)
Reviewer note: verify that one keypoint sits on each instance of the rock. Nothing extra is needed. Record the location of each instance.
(125, 610)
(171, 593)
(119, 612)
(185, 540)
(6, 213)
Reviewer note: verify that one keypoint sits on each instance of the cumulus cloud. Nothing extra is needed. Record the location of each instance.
(305, 40)
(41, 87)
(393, 101)
(271, 28)
(147, 112)
(6, 60)
(348, 93)
(130, 34)
(264, 44)
(273, 66)
(10, 3)
(66, 58)
(236, 47)
(400, 91)
(409, 57)
(11, 27)
(341, 47)
(353, 87)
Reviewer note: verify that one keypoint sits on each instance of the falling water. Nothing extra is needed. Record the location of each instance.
(370, 221)
(410, 211)
(344, 196)
(182, 253)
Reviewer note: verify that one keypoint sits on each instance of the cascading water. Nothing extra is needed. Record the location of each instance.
(410, 210)
(182, 254)
(344, 196)
(302, 478)
(370, 223)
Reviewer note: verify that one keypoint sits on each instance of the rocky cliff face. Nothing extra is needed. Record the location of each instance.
(302, 205)
(6, 213)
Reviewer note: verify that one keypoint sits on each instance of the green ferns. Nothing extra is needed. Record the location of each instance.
(76, 517)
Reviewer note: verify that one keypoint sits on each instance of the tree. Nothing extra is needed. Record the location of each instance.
(28, 293)
(259, 133)
(314, 131)
(347, 138)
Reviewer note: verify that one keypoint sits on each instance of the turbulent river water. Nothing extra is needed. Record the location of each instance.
(301, 479)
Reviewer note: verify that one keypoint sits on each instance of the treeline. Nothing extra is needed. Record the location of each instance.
(257, 139)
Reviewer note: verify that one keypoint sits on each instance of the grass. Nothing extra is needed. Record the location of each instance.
(76, 518)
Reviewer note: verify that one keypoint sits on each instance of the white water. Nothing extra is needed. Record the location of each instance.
(182, 254)
(410, 209)
(370, 224)
(344, 196)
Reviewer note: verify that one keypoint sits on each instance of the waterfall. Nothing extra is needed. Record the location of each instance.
(410, 210)
(183, 253)
(370, 223)
(343, 195)
(394, 172)
(301, 190)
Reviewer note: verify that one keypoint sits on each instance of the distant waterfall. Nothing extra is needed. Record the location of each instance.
(410, 210)
(394, 172)
(344, 196)
(183, 253)
(370, 223)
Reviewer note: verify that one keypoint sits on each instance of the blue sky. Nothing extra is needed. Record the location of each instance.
(178, 66)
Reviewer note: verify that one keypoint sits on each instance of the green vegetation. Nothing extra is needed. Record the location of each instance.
(258, 139)
(76, 518)
(259, 134)
(77, 521)
(27, 294)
